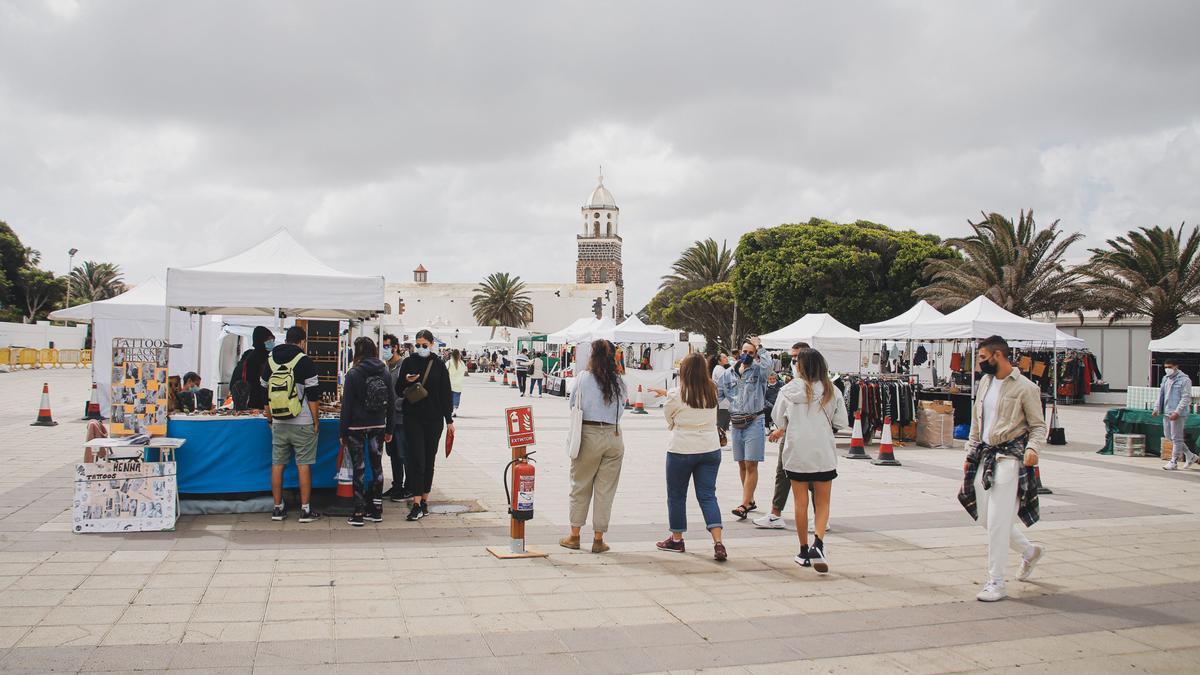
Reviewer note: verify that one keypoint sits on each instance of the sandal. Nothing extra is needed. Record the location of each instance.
(741, 512)
(753, 506)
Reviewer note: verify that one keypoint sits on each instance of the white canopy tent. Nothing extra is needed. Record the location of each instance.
(837, 342)
(1061, 340)
(983, 318)
(900, 327)
(136, 313)
(1185, 339)
(634, 330)
(276, 276)
(571, 332)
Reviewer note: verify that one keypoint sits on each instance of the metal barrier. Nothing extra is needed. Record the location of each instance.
(27, 358)
(85, 357)
(47, 358)
(69, 357)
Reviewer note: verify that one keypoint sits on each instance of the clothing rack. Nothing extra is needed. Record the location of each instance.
(878, 397)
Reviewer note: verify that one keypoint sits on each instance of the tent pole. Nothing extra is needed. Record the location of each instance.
(200, 347)
(972, 369)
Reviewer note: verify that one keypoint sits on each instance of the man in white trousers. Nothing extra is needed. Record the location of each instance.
(999, 484)
(1174, 404)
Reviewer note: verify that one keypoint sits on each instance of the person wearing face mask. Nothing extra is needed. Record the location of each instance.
(744, 386)
(425, 418)
(393, 354)
(192, 396)
(247, 391)
(1174, 404)
(999, 481)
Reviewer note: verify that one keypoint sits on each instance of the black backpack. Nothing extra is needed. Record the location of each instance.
(375, 394)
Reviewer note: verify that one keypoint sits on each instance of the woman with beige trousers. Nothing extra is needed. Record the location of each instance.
(595, 471)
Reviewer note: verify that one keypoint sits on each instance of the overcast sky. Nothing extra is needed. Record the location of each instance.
(466, 135)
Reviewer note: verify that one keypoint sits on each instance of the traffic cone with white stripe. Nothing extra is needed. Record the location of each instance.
(92, 410)
(856, 440)
(504, 382)
(887, 456)
(44, 418)
(638, 407)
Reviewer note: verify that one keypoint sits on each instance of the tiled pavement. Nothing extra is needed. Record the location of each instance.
(1116, 591)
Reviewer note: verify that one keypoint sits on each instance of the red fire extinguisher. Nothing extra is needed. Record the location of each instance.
(520, 490)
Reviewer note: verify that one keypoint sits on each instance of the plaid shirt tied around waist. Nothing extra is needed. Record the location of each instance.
(981, 456)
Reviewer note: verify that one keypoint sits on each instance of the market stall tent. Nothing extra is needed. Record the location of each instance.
(1185, 339)
(276, 275)
(136, 313)
(634, 330)
(983, 318)
(837, 342)
(571, 332)
(900, 327)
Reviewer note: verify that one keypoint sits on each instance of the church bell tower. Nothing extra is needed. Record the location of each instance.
(599, 258)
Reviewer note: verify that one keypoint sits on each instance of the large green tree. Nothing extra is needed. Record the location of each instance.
(41, 291)
(859, 272)
(1152, 272)
(1019, 267)
(501, 300)
(697, 296)
(94, 281)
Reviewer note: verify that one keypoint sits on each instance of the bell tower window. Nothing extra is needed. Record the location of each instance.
(604, 276)
(587, 275)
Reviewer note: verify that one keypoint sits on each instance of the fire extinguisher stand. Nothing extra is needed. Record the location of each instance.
(519, 422)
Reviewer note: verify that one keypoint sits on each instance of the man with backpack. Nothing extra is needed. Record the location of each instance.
(290, 378)
(368, 408)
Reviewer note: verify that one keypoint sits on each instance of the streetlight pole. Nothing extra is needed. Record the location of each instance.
(70, 268)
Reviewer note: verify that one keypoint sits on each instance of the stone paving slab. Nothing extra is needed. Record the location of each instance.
(239, 593)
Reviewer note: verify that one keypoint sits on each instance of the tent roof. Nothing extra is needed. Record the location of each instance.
(983, 318)
(145, 301)
(1185, 339)
(634, 329)
(900, 327)
(277, 272)
(821, 331)
(568, 333)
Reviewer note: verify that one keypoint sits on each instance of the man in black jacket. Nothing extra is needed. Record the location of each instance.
(368, 406)
(423, 419)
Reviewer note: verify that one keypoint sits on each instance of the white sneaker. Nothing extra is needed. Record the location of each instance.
(770, 522)
(1191, 462)
(1171, 466)
(992, 592)
(1028, 562)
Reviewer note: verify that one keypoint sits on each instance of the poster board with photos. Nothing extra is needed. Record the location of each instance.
(124, 495)
(139, 387)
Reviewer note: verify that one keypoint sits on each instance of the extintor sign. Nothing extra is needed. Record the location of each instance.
(519, 423)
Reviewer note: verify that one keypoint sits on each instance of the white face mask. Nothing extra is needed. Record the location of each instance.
(422, 351)
(1171, 372)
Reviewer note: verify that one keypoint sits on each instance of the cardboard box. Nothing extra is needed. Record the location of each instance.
(1129, 445)
(1167, 448)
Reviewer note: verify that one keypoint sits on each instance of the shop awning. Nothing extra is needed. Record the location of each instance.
(900, 327)
(1185, 339)
(277, 273)
(983, 318)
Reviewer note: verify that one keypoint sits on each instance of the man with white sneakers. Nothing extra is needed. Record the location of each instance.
(1174, 404)
(999, 480)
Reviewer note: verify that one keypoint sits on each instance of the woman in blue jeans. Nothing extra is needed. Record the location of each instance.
(693, 453)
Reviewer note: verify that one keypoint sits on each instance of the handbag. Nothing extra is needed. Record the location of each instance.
(416, 392)
(575, 431)
(742, 421)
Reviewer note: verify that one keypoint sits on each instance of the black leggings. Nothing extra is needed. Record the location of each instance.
(420, 452)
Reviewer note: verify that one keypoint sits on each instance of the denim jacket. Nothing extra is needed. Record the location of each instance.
(746, 391)
(1175, 395)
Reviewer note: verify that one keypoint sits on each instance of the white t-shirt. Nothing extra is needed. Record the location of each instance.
(991, 401)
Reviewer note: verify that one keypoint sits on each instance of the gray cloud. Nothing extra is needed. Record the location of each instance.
(466, 135)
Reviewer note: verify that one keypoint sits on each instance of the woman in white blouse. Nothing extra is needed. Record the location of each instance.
(693, 453)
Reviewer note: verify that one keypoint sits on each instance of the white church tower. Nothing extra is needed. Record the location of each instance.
(599, 257)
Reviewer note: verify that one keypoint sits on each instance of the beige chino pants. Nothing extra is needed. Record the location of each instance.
(594, 475)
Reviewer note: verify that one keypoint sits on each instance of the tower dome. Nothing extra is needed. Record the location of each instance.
(601, 198)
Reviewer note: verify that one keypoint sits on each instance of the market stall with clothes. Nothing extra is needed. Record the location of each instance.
(278, 278)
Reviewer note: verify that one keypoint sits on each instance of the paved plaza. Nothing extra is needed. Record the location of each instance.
(1116, 592)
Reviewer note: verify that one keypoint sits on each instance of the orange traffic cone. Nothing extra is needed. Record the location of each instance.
(856, 440)
(514, 380)
(638, 407)
(1037, 479)
(44, 419)
(886, 455)
(504, 382)
(92, 411)
(492, 376)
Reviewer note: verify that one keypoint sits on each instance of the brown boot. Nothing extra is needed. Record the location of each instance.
(598, 546)
(571, 542)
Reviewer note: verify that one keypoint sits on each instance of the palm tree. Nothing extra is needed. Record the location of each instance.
(501, 300)
(94, 281)
(1149, 272)
(1019, 268)
(700, 265)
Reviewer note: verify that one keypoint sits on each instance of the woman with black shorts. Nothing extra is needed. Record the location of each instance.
(807, 413)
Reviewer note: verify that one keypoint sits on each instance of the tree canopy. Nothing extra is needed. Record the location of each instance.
(501, 300)
(697, 295)
(859, 272)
